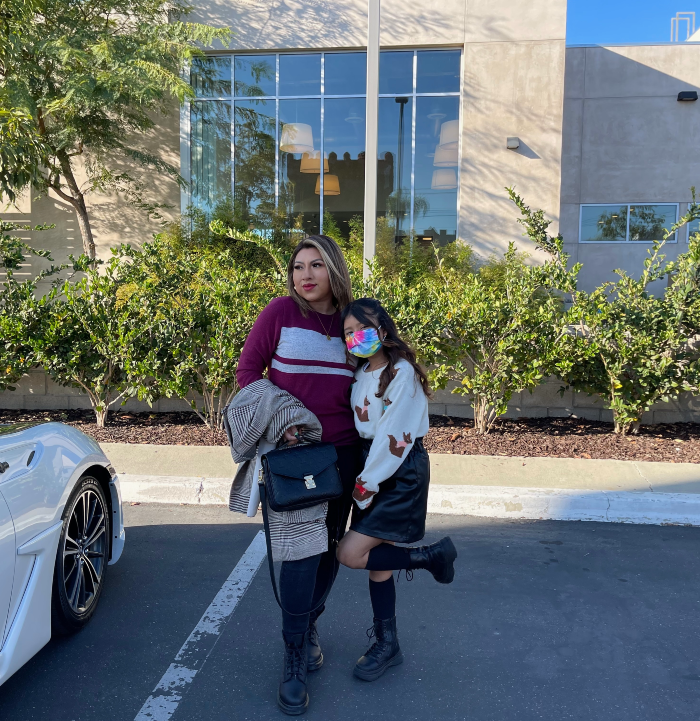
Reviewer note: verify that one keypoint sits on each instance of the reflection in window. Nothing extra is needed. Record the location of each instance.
(603, 222)
(437, 160)
(344, 146)
(693, 227)
(210, 154)
(650, 222)
(620, 223)
(254, 75)
(300, 141)
(292, 174)
(211, 77)
(394, 165)
(254, 163)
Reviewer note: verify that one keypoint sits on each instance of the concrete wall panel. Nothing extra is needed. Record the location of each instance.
(510, 89)
(515, 20)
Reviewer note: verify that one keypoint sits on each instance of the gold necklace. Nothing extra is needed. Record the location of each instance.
(327, 332)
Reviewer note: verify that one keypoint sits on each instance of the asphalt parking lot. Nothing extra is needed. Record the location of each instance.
(545, 620)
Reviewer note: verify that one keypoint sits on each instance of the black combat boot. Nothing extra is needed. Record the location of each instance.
(438, 558)
(383, 653)
(314, 655)
(292, 697)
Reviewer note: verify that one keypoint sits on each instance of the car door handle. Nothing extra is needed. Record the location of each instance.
(4, 465)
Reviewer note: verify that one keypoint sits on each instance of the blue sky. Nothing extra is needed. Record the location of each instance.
(624, 21)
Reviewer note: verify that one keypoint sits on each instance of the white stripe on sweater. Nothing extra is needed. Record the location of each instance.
(302, 344)
(320, 370)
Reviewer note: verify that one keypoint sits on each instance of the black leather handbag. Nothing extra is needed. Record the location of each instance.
(296, 477)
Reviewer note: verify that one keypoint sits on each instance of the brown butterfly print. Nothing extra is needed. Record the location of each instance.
(397, 448)
(363, 413)
(361, 493)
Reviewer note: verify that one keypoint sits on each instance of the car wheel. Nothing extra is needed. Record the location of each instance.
(81, 559)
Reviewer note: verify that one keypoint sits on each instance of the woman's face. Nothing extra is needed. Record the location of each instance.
(310, 276)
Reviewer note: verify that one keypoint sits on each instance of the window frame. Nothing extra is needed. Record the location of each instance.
(627, 231)
(186, 129)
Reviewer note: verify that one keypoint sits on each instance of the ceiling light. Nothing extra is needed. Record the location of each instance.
(445, 157)
(297, 138)
(311, 162)
(449, 134)
(444, 179)
(331, 186)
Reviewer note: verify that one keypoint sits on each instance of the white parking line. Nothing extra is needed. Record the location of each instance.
(190, 659)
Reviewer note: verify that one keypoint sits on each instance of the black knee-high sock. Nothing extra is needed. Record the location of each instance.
(386, 557)
(383, 597)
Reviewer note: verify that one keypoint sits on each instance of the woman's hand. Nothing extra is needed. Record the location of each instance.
(291, 435)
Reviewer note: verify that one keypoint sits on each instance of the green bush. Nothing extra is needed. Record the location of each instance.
(632, 348)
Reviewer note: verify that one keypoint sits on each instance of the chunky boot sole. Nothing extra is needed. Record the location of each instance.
(447, 573)
(316, 665)
(374, 675)
(293, 710)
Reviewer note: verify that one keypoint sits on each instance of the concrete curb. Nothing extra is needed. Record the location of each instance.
(486, 501)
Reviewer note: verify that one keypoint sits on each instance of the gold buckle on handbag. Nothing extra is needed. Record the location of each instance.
(309, 482)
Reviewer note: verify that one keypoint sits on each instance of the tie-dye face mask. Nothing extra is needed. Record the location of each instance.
(363, 343)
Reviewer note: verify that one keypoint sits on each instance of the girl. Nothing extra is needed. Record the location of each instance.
(390, 402)
(297, 340)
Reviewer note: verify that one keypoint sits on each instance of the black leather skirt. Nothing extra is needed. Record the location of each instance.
(398, 510)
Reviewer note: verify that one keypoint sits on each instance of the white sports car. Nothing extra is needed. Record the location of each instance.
(60, 526)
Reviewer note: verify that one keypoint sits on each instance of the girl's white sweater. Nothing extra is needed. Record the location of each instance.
(393, 422)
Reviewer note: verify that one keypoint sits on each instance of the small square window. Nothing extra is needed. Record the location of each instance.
(300, 75)
(211, 77)
(693, 227)
(650, 222)
(254, 75)
(396, 72)
(438, 71)
(603, 223)
(345, 73)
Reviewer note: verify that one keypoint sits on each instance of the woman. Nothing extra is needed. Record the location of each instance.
(298, 340)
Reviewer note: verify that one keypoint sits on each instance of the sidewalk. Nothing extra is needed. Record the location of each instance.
(488, 486)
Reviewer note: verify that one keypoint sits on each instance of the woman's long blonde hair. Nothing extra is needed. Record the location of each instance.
(338, 274)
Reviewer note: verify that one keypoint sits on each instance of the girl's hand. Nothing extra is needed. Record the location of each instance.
(291, 435)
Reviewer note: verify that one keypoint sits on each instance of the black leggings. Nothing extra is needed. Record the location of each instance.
(303, 583)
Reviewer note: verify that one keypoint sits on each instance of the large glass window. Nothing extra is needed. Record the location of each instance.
(295, 123)
(629, 222)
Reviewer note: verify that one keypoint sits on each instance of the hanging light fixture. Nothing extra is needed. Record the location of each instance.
(449, 134)
(444, 179)
(331, 186)
(445, 157)
(297, 138)
(311, 162)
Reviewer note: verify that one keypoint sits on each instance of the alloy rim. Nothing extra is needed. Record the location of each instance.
(84, 551)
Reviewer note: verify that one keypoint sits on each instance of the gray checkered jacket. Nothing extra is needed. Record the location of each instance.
(263, 411)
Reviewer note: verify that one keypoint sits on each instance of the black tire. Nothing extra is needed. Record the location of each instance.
(81, 558)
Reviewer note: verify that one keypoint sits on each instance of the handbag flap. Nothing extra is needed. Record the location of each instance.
(300, 461)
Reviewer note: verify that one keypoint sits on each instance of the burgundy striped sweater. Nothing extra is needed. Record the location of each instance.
(300, 359)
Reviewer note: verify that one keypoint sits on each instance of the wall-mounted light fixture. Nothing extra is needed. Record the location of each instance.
(512, 143)
(687, 95)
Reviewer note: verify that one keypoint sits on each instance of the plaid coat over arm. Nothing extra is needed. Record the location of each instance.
(262, 411)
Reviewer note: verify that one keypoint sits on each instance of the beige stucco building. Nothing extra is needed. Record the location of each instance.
(603, 144)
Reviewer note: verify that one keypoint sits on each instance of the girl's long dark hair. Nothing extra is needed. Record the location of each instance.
(370, 312)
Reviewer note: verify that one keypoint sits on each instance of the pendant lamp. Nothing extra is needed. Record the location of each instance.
(445, 157)
(311, 162)
(331, 186)
(449, 134)
(444, 179)
(297, 138)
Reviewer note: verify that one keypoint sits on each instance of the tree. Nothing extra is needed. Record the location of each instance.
(97, 336)
(82, 80)
(203, 305)
(20, 311)
(631, 347)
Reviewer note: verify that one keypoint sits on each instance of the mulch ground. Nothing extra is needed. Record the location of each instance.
(553, 437)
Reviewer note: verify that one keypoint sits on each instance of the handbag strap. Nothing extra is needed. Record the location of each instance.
(270, 562)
